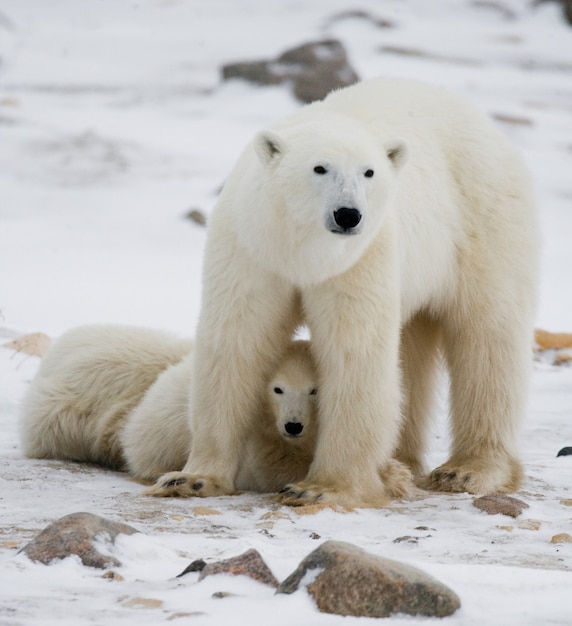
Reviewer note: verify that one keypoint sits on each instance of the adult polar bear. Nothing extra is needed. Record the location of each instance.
(396, 222)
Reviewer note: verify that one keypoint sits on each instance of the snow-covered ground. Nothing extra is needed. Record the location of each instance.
(113, 124)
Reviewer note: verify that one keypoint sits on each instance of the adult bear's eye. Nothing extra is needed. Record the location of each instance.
(320, 169)
(278, 390)
(368, 174)
(313, 392)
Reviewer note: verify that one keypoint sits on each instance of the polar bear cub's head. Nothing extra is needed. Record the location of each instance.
(292, 394)
(330, 173)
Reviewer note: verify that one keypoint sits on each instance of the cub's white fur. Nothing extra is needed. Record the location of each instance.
(87, 385)
(271, 456)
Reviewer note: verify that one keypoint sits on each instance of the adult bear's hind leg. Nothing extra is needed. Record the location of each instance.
(420, 354)
(489, 363)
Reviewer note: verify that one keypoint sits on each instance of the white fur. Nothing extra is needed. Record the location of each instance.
(443, 260)
(118, 396)
(157, 437)
(87, 384)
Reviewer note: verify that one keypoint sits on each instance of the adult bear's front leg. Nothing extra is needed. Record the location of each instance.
(247, 318)
(354, 320)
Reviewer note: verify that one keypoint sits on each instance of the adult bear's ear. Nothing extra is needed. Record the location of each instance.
(397, 150)
(269, 146)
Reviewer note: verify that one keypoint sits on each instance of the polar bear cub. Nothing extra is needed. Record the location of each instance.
(281, 439)
(118, 396)
(86, 387)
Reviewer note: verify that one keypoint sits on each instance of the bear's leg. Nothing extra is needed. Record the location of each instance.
(240, 337)
(489, 363)
(420, 342)
(354, 324)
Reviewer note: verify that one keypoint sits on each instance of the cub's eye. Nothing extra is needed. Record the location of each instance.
(368, 173)
(278, 390)
(320, 169)
(313, 392)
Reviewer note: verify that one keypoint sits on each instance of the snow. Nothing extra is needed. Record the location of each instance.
(113, 124)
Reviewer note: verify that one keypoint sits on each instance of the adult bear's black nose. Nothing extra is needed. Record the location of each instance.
(294, 428)
(347, 218)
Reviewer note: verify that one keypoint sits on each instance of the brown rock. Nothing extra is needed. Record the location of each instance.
(205, 510)
(75, 534)
(248, 564)
(348, 581)
(34, 344)
(314, 69)
(317, 82)
(561, 538)
(496, 503)
(197, 216)
(257, 72)
(545, 340)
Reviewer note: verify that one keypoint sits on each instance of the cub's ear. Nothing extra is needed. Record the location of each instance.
(397, 150)
(269, 146)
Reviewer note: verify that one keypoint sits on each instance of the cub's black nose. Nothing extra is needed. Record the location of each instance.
(294, 428)
(347, 218)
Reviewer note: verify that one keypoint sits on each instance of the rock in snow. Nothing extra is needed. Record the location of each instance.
(500, 503)
(342, 578)
(345, 580)
(248, 564)
(76, 534)
(314, 69)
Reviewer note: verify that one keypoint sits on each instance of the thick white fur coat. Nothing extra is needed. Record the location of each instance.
(398, 224)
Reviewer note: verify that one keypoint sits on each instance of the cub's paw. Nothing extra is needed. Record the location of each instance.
(181, 485)
(503, 475)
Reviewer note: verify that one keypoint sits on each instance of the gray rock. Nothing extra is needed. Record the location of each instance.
(248, 564)
(313, 69)
(257, 72)
(500, 503)
(315, 83)
(345, 580)
(198, 565)
(75, 534)
(197, 216)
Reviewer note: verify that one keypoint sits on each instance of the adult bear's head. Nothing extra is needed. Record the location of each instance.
(331, 173)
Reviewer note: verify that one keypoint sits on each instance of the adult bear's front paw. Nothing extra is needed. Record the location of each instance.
(297, 495)
(302, 494)
(181, 485)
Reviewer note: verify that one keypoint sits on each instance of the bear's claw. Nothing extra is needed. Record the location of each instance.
(502, 475)
(175, 482)
(181, 485)
(293, 495)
